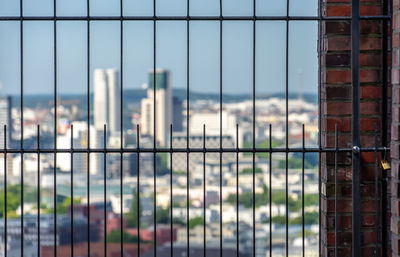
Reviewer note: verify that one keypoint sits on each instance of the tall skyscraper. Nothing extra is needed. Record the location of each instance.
(5, 119)
(163, 108)
(107, 100)
(177, 114)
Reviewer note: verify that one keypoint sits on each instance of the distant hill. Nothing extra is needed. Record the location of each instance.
(135, 95)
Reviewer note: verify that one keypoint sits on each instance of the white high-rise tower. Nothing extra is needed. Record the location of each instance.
(163, 105)
(107, 100)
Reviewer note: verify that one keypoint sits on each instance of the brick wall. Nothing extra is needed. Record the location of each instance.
(336, 94)
(395, 135)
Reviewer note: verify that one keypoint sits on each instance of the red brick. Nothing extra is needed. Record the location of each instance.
(370, 107)
(395, 40)
(370, 92)
(342, 43)
(344, 140)
(338, 10)
(338, 76)
(368, 220)
(337, 93)
(367, 173)
(370, 250)
(367, 141)
(370, 59)
(343, 174)
(334, 60)
(337, 27)
(368, 206)
(343, 205)
(370, 10)
(338, 108)
(369, 76)
(368, 237)
(368, 124)
(370, 43)
(343, 124)
(368, 190)
(370, 27)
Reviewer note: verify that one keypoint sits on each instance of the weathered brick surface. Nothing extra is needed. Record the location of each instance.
(336, 98)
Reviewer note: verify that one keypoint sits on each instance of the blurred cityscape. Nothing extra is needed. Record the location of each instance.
(183, 171)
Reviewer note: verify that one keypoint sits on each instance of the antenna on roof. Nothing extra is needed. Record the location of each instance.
(300, 73)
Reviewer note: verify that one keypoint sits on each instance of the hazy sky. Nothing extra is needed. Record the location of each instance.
(171, 46)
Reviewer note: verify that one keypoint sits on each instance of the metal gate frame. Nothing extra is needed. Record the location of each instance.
(356, 149)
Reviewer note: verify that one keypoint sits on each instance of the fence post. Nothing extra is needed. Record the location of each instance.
(355, 81)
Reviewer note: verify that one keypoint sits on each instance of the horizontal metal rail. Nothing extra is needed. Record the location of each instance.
(193, 150)
(185, 18)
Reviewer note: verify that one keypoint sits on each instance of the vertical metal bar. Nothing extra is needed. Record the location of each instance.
(385, 74)
(88, 124)
(270, 189)
(376, 192)
(55, 125)
(302, 192)
(22, 122)
(237, 190)
(154, 126)
(72, 189)
(187, 199)
(220, 127)
(5, 190)
(38, 188)
(138, 184)
(187, 122)
(384, 215)
(204, 193)
(287, 130)
(121, 189)
(319, 47)
(355, 75)
(171, 192)
(121, 121)
(105, 187)
(336, 189)
(254, 127)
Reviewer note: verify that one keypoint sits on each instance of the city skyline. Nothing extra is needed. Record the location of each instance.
(171, 55)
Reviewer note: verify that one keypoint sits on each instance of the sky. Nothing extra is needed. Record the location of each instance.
(171, 45)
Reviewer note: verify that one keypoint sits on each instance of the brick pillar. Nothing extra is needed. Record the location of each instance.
(395, 135)
(336, 95)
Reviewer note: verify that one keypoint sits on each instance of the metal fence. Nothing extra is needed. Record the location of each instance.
(270, 150)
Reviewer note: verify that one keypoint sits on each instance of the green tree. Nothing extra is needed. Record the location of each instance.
(246, 198)
(310, 218)
(134, 214)
(196, 222)
(274, 143)
(250, 170)
(294, 163)
(13, 201)
(115, 237)
(281, 220)
(62, 208)
(163, 216)
(278, 198)
(14, 198)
